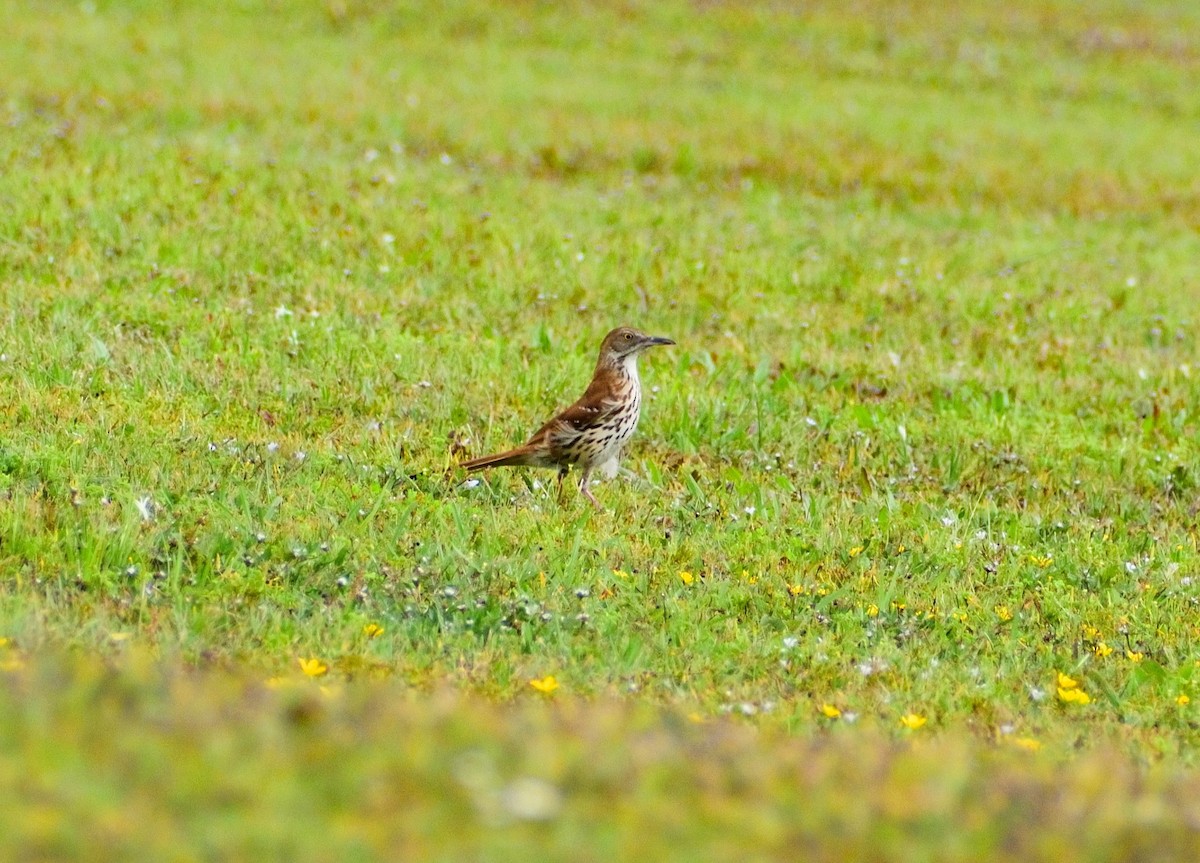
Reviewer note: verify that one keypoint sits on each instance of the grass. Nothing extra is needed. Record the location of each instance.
(927, 441)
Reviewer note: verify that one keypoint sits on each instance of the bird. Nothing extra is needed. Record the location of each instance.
(591, 432)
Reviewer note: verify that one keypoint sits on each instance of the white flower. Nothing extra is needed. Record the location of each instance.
(145, 507)
(531, 799)
(283, 311)
(790, 642)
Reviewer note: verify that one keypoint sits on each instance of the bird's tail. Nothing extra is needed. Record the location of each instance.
(522, 455)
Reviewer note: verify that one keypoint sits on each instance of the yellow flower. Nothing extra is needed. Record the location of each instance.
(1090, 632)
(1027, 743)
(11, 662)
(696, 716)
(372, 630)
(1135, 656)
(912, 721)
(1182, 700)
(1040, 562)
(621, 574)
(961, 617)
(749, 579)
(1073, 696)
(830, 711)
(686, 577)
(897, 605)
(1003, 612)
(4, 642)
(872, 610)
(856, 551)
(798, 589)
(900, 549)
(1102, 650)
(545, 685)
(313, 667)
(1065, 682)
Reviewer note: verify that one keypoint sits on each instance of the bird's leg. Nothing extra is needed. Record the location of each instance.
(587, 492)
(562, 474)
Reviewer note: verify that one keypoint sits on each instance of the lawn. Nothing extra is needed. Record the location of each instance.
(906, 566)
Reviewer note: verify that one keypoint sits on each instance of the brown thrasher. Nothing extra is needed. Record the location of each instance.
(591, 432)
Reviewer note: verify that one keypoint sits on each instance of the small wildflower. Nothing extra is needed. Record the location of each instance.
(797, 590)
(1182, 700)
(1090, 632)
(1003, 612)
(313, 667)
(1039, 561)
(1102, 650)
(372, 630)
(830, 711)
(912, 721)
(961, 617)
(856, 551)
(621, 574)
(1067, 682)
(145, 508)
(11, 662)
(686, 577)
(749, 579)
(900, 549)
(1073, 696)
(790, 642)
(545, 685)
(1027, 743)
(1134, 656)
(696, 717)
(872, 610)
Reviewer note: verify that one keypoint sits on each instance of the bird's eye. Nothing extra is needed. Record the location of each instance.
(629, 337)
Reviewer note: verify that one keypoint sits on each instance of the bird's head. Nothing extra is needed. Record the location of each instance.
(624, 342)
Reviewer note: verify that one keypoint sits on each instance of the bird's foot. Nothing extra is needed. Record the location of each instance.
(588, 494)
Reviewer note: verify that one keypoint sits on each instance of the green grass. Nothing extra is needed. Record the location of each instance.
(927, 441)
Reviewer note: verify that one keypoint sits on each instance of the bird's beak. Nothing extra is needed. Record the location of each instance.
(659, 340)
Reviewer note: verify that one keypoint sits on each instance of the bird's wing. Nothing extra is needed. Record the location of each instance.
(593, 406)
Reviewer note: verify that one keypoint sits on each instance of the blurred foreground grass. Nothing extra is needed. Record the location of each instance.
(138, 763)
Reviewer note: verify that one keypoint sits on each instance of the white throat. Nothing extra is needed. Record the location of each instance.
(629, 364)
